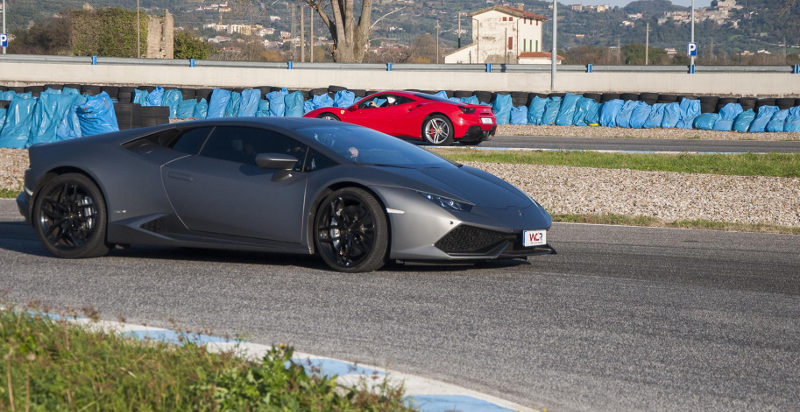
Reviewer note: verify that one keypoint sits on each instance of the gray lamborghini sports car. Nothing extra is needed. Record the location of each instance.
(354, 196)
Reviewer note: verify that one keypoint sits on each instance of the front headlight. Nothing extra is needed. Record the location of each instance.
(447, 203)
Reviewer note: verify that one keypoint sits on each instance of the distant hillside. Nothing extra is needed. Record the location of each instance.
(759, 25)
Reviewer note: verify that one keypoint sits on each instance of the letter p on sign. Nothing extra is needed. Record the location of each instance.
(3, 39)
(691, 50)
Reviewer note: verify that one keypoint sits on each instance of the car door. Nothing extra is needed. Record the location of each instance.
(222, 191)
(371, 116)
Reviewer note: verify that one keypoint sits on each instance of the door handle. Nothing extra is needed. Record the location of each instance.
(180, 176)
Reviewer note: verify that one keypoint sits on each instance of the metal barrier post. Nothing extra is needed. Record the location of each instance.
(589, 68)
(94, 60)
(290, 65)
(191, 62)
(691, 69)
(488, 67)
(388, 66)
(796, 69)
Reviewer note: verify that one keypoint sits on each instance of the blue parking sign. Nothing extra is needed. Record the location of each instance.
(3, 39)
(691, 49)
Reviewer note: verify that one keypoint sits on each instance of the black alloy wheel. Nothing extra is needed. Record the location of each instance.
(69, 215)
(328, 116)
(350, 231)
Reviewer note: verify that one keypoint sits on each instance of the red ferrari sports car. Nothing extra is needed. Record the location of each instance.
(416, 115)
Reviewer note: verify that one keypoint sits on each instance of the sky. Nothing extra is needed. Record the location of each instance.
(697, 3)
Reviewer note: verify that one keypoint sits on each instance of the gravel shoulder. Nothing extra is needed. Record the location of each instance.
(618, 132)
(667, 196)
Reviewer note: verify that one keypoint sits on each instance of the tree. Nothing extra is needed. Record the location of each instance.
(190, 47)
(350, 37)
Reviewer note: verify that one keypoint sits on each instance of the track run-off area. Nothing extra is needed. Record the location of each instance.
(622, 318)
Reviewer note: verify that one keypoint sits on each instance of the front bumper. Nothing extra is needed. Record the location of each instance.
(23, 204)
(467, 241)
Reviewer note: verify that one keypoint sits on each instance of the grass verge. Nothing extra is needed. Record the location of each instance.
(54, 365)
(614, 219)
(750, 164)
(9, 194)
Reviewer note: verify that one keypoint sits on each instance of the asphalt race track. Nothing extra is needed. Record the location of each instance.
(622, 318)
(640, 145)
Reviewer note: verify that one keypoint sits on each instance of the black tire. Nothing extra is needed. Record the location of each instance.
(437, 130)
(649, 98)
(359, 93)
(329, 116)
(351, 232)
(723, 101)
(747, 102)
(112, 91)
(519, 98)
(483, 96)
(187, 94)
(784, 103)
(462, 93)
(318, 92)
(203, 94)
(768, 101)
(333, 89)
(36, 91)
(124, 113)
(154, 115)
(607, 97)
(594, 96)
(69, 215)
(630, 96)
(4, 104)
(668, 98)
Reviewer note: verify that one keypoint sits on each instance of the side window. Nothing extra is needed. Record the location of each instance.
(242, 144)
(191, 140)
(317, 161)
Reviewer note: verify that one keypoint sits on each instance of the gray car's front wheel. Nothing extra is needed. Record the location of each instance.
(69, 215)
(350, 231)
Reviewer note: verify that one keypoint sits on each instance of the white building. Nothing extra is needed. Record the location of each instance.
(503, 34)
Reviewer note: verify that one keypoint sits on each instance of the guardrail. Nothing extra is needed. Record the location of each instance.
(402, 67)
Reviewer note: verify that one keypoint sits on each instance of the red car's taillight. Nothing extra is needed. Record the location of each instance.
(467, 110)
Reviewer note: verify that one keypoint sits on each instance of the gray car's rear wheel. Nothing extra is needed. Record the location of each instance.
(350, 231)
(437, 130)
(69, 215)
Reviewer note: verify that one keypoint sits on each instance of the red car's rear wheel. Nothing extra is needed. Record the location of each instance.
(437, 130)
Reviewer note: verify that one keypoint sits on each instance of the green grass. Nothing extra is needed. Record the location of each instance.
(614, 219)
(52, 365)
(6, 193)
(772, 164)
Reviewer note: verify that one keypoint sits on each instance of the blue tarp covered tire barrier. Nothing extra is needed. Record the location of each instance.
(155, 97)
(535, 110)
(172, 98)
(624, 116)
(502, 108)
(201, 109)
(690, 109)
(551, 110)
(793, 120)
(218, 103)
(672, 115)
(344, 99)
(232, 108)
(566, 113)
(743, 121)
(519, 115)
(706, 121)
(97, 115)
(610, 111)
(582, 108)
(277, 105)
(18, 123)
(294, 104)
(778, 121)
(186, 109)
(763, 117)
(640, 114)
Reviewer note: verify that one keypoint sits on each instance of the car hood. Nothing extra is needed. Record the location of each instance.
(464, 182)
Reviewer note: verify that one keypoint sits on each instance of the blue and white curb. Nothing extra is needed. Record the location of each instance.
(428, 395)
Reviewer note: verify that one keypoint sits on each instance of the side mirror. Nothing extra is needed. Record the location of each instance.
(275, 161)
(352, 108)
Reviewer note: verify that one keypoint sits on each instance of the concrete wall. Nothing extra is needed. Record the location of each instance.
(17, 73)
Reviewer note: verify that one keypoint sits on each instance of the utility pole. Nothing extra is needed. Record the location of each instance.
(311, 35)
(293, 30)
(554, 52)
(647, 46)
(302, 35)
(4, 23)
(138, 30)
(691, 62)
(459, 29)
(437, 41)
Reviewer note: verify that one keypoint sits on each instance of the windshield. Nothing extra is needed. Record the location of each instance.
(361, 145)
